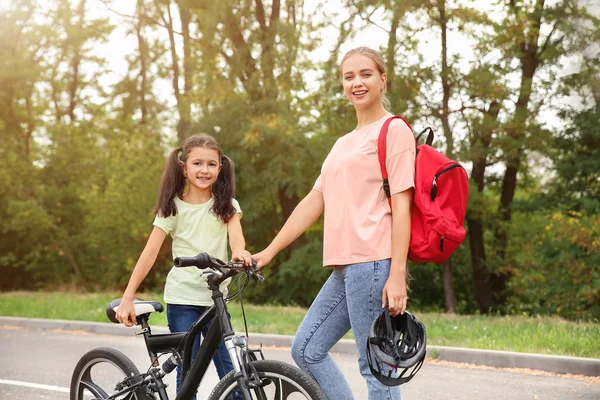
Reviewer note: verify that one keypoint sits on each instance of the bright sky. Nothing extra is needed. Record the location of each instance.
(120, 44)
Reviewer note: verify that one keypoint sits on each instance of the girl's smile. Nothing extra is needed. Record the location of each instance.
(202, 169)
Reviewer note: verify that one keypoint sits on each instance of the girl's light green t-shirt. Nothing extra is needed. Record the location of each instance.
(195, 229)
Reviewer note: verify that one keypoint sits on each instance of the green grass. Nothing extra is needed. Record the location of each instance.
(544, 335)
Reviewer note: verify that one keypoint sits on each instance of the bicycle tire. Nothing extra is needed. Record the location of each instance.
(281, 380)
(83, 383)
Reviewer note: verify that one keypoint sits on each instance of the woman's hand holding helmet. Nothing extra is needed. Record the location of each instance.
(394, 294)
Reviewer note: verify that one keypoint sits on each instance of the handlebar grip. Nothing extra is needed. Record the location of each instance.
(201, 261)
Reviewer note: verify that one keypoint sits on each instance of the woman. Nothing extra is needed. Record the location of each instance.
(365, 243)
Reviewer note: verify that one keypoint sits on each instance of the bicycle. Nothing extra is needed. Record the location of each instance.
(251, 378)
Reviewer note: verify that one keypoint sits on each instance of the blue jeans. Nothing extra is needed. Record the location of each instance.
(180, 319)
(350, 299)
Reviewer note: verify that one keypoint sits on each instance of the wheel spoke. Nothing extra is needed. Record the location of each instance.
(284, 389)
(287, 389)
(260, 394)
(94, 389)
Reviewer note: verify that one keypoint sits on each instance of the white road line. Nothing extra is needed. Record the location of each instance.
(35, 385)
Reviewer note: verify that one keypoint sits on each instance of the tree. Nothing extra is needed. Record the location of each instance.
(537, 36)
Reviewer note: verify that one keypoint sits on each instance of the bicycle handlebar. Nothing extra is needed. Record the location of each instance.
(203, 261)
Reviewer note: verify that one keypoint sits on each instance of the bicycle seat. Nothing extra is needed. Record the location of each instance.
(140, 306)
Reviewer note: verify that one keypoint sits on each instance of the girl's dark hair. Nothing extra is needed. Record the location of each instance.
(172, 182)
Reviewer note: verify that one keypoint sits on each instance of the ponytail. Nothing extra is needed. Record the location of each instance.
(223, 190)
(172, 184)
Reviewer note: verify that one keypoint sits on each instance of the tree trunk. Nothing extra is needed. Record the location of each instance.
(185, 105)
(288, 204)
(445, 119)
(75, 62)
(446, 84)
(483, 293)
(448, 287)
(391, 51)
(143, 49)
(268, 31)
(481, 144)
(529, 63)
(242, 64)
(181, 128)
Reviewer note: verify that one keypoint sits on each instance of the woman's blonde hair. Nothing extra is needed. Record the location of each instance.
(376, 57)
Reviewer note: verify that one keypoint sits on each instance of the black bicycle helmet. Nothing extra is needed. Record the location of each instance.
(396, 347)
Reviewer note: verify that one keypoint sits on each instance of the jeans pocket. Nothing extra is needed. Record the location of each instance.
(376, 270)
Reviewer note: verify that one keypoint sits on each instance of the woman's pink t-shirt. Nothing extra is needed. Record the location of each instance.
(358, 221)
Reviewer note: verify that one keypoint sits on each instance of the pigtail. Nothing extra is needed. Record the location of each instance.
(172, 184)
(223, 190)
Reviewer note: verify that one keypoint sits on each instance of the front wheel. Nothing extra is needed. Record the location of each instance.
(279, 381)
(102, 373)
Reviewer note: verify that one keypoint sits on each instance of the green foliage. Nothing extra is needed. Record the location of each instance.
(427, 286)
(577, 164)
(558, 265)
(301, 277)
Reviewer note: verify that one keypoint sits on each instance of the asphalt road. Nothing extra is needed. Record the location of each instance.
(38, 364)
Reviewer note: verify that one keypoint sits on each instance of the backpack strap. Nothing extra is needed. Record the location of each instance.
(429, 140)
(381, 153)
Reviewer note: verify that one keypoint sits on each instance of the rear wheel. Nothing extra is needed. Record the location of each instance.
(103, 372)
(279, 381)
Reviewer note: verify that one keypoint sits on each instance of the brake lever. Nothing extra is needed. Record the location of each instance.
(211, 272)
(255, 272)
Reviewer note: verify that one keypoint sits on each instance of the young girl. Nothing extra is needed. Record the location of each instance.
(365, 244)
(196, 207)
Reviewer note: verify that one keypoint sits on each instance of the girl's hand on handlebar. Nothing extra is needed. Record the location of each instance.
(126, 313)
(243, 256)
(262, 258)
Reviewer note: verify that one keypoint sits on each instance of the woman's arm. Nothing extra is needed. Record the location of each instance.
(126, 313)
(237, 243)
(394, 291)
(303, 216)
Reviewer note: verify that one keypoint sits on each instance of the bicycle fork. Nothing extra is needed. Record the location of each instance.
(245, 373)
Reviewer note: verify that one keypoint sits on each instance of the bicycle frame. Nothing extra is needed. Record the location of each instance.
(192, 373)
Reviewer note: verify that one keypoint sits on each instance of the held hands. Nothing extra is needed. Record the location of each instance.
(394, 294)
(243, 256)
(262, 258)
(126, 313)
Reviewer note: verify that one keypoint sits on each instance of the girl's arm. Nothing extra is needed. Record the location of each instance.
(126, 313)
(394, 291)
(303, 216)
(237, 241)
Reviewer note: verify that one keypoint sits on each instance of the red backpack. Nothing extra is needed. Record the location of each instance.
(440, 201)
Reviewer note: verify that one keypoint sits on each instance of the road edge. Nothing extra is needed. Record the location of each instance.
(490, 358)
